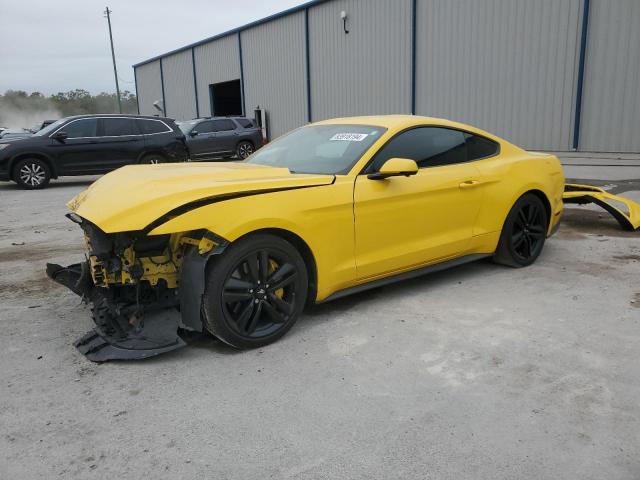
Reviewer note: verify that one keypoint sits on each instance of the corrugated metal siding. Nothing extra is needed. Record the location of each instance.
(611, 101)
(180, 97)
(218, 61)
(149, 87)
(275, 72)
(507, 66)
(367, 71)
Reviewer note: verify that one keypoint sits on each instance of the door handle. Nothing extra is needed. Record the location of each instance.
(469, 184)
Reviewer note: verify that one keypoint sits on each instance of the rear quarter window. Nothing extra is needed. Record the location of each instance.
(245, 123)
(149, 127)
(480, 147)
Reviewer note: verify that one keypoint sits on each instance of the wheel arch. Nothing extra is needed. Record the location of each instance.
(248, 140)
(545, 201)
(305, 251)
(39, 156)
(152, 151)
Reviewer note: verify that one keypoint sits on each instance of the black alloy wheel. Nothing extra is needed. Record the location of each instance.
(528, 233)
(244, 150)
(256, 291)
(524, 233)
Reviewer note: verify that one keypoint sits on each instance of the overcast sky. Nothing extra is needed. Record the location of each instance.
(49, 46)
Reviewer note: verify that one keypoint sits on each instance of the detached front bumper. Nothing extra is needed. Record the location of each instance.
(142, 289)
(123, 331)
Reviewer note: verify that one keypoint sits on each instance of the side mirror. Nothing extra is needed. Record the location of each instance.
(193, 133)
(395, 167)
(60, 136)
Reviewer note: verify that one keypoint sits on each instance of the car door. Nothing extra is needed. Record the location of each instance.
(226, 135)
(120, 141)
(406, 222)
(77, 153)
(202, 141)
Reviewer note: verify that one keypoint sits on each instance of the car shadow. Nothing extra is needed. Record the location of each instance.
(409, 287)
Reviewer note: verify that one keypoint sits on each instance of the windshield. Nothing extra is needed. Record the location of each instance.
(49, 128)
(186, 126)
(321, 149)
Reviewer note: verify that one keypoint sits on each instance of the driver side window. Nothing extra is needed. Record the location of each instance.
(428, 146)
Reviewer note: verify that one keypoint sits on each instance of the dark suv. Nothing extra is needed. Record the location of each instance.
(90, 144)
(221, 137)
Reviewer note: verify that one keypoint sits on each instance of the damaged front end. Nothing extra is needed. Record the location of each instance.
(142, 289)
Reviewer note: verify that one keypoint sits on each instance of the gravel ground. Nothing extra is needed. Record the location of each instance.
(479, 372)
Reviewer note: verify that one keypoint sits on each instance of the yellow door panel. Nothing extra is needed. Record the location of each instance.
(402, 222)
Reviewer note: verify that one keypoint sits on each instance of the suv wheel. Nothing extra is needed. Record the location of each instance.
(32, 173)
(153, 159)
(244, 150)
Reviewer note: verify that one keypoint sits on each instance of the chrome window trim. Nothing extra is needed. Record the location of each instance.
(169, 129)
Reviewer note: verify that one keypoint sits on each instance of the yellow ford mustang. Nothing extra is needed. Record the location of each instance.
(332, 208)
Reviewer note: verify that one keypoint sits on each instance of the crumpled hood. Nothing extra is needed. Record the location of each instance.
(132, 197)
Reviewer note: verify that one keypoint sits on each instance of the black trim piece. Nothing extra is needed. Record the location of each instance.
(203, 202)
(308, 60)
(406, 276)
(164, 102)
(195, 81)
(581, 68)
(414, 20)
(244, 107)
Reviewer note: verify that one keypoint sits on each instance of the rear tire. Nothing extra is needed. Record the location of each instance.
(244, 149)
(523, 234)
(32, 174)
(153, 159)
(255, 291)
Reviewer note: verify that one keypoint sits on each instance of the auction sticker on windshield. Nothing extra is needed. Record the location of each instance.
(349, 137)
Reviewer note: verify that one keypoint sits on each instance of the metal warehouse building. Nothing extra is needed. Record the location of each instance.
(546, 74)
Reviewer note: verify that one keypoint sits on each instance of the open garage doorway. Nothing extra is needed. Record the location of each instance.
(226, 98)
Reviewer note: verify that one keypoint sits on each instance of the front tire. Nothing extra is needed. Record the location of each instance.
(524, 233)
(32, 174)
(255, 291)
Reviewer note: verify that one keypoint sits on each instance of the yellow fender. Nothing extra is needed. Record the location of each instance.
(583, 194)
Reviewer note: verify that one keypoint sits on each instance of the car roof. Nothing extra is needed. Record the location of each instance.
(230, 117)
(396, 123)
(116, 115)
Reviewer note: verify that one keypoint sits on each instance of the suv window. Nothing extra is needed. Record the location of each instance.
(118, 127)
(245, 123)
(480, 147)
(149, 127)
(223, 125)
(428, 146)
(204, 127)
(85, 127)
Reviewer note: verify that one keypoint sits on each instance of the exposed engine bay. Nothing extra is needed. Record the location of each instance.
(132, 282)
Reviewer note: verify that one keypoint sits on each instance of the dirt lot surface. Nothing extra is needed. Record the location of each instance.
(479, 372)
